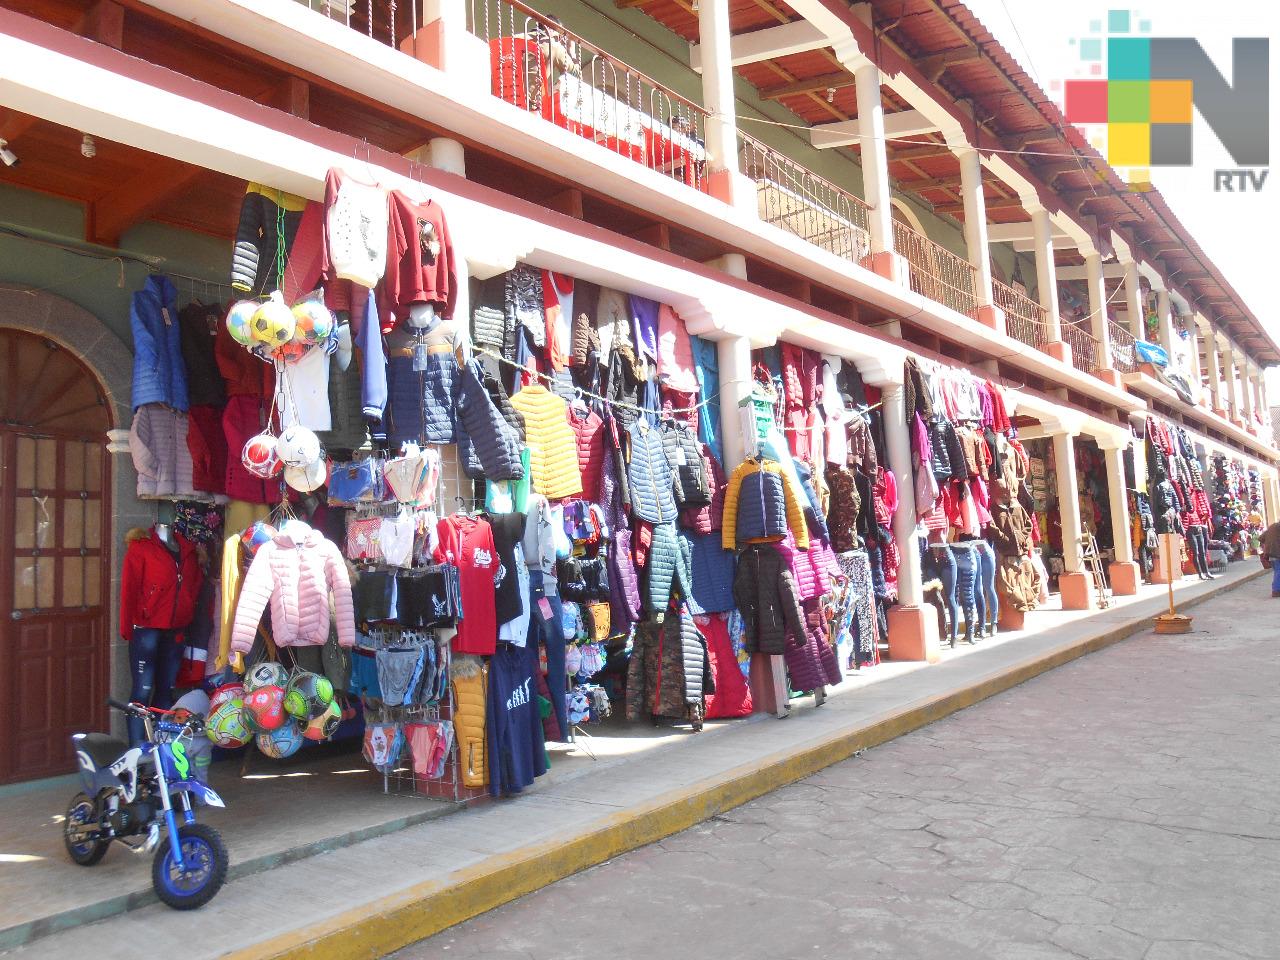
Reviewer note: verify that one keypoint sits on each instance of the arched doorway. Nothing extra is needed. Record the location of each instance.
(55, 515)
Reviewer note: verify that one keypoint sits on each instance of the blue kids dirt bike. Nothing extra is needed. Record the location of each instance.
(129, 796)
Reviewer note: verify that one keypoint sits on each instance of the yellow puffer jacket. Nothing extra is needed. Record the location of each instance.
(470, 683)
(553, 451)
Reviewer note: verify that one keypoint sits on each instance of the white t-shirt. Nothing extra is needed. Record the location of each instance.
(307, 387)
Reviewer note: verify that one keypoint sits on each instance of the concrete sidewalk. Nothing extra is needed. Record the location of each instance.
(367, 898)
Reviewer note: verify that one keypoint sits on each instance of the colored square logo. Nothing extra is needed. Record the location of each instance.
(1086, 101)
(1091, 49)
(1171, 144)
(1171, 101)
(1129, 144)
(1117, 21)
(1129, 58)
(1128, 101)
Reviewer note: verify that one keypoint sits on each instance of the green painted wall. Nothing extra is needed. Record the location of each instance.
(101, 286)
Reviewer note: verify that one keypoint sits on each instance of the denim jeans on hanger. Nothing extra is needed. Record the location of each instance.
(550, 633)
(987, 598)
(966, 585)
(155, 656)
(1198, 547)
(940, 563)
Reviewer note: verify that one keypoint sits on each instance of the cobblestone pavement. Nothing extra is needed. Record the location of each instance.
(1123, 806)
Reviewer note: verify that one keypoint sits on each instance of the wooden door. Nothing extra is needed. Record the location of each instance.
(54, 514)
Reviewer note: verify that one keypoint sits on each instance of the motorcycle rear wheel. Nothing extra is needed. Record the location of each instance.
(82, 812)
(205, 858)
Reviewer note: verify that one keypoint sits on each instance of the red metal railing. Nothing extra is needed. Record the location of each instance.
(1024, 319)
(936, 272)
(803, 203)
(540, 66)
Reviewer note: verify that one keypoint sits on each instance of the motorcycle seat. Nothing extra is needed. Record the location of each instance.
(102, 748)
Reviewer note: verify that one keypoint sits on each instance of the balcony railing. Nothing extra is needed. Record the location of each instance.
(538, 65)
(1024, 319)
(1084, 347)
(1123, 355)
(936, 272)
(803, 203)
(386, 21)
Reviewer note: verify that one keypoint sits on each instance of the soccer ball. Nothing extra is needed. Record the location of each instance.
(226, 727)
(298, 446)
(308, 695)
(240, 321)
(268, 673)
(282, 742)
(326, 725)
(313, 322)
(292, 351)
(259, 456)
(273, 322)
(307, 477)
(264, 709)
(228, 691)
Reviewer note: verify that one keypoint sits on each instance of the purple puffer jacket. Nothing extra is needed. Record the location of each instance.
(813, 568)
(813, 662)
(624, 584)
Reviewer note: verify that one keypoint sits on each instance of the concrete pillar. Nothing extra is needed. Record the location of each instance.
(1196, 372)
(1099, 322)
(1123, 572)
(875, 168)
(975, 236)
(1164, 313)
(725, 180)
(913, 627)
(1047, 282)
(1133, 300)
(1075, 585)
(1246, 391)
(1214, 371)
(1227, 360)
(444, 42)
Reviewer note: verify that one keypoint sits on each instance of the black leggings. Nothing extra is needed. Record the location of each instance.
(1198, 544)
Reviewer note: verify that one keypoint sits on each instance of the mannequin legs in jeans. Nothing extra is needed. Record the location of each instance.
(967, 586)
(987, 600)
(1198, 541)
(941, 564)
(155, 657)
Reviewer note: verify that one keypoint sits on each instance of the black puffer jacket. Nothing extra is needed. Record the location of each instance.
(253, 259)
(768, 600)
(688, 470)
(524, 304)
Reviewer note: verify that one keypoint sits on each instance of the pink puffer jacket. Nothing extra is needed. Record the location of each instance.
(814, 569)
(297, 579)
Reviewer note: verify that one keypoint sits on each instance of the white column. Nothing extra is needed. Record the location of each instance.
(1098, 320)
(1228, 361)
(1197, 374)
(897, 440)
(734, 357)
(1133, 300)
(1064, 461)
(1118, 498)
(975, 220)
(1214, 371)
(1165, 316)
(444, 42)
(875, 156)
(717, 84)
(1246, 389)
(1046, 271)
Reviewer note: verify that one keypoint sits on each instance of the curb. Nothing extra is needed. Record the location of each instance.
(430, 907)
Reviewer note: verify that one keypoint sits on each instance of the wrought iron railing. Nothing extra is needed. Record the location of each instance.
(1024, 319)
(388, 21)
(803, 203)
(538, 65)
(936, 272)
(1123, 354)
(1085, 349)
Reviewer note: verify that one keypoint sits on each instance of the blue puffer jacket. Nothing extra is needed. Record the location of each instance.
(712, 568)
(668, 567)
(403, 417)
(437, 401)
(814, 518)
(495, 442)
(649, 474)
(159, 373)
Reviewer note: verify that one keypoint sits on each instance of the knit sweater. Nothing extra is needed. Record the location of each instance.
(553, 448)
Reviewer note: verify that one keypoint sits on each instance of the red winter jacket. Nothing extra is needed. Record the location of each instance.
(157, 590)
(588, 436)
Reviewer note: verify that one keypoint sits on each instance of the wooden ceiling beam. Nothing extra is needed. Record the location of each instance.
(103, 22)
(920, 152)
(820, 84)
(935, 66)
(137, 198)
(14, 124)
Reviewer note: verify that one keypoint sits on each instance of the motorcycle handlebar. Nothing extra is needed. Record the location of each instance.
(117, 705)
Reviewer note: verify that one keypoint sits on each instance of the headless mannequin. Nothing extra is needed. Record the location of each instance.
(155, 653)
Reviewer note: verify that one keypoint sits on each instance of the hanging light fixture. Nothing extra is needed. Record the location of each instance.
(831, 94)
(88, 147)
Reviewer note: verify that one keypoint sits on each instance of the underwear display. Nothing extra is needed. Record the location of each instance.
(383, 745)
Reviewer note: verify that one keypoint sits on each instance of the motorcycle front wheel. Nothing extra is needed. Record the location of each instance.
(79, 831)
(204, 867)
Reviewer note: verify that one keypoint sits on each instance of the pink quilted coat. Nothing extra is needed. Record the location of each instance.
(296, 578)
